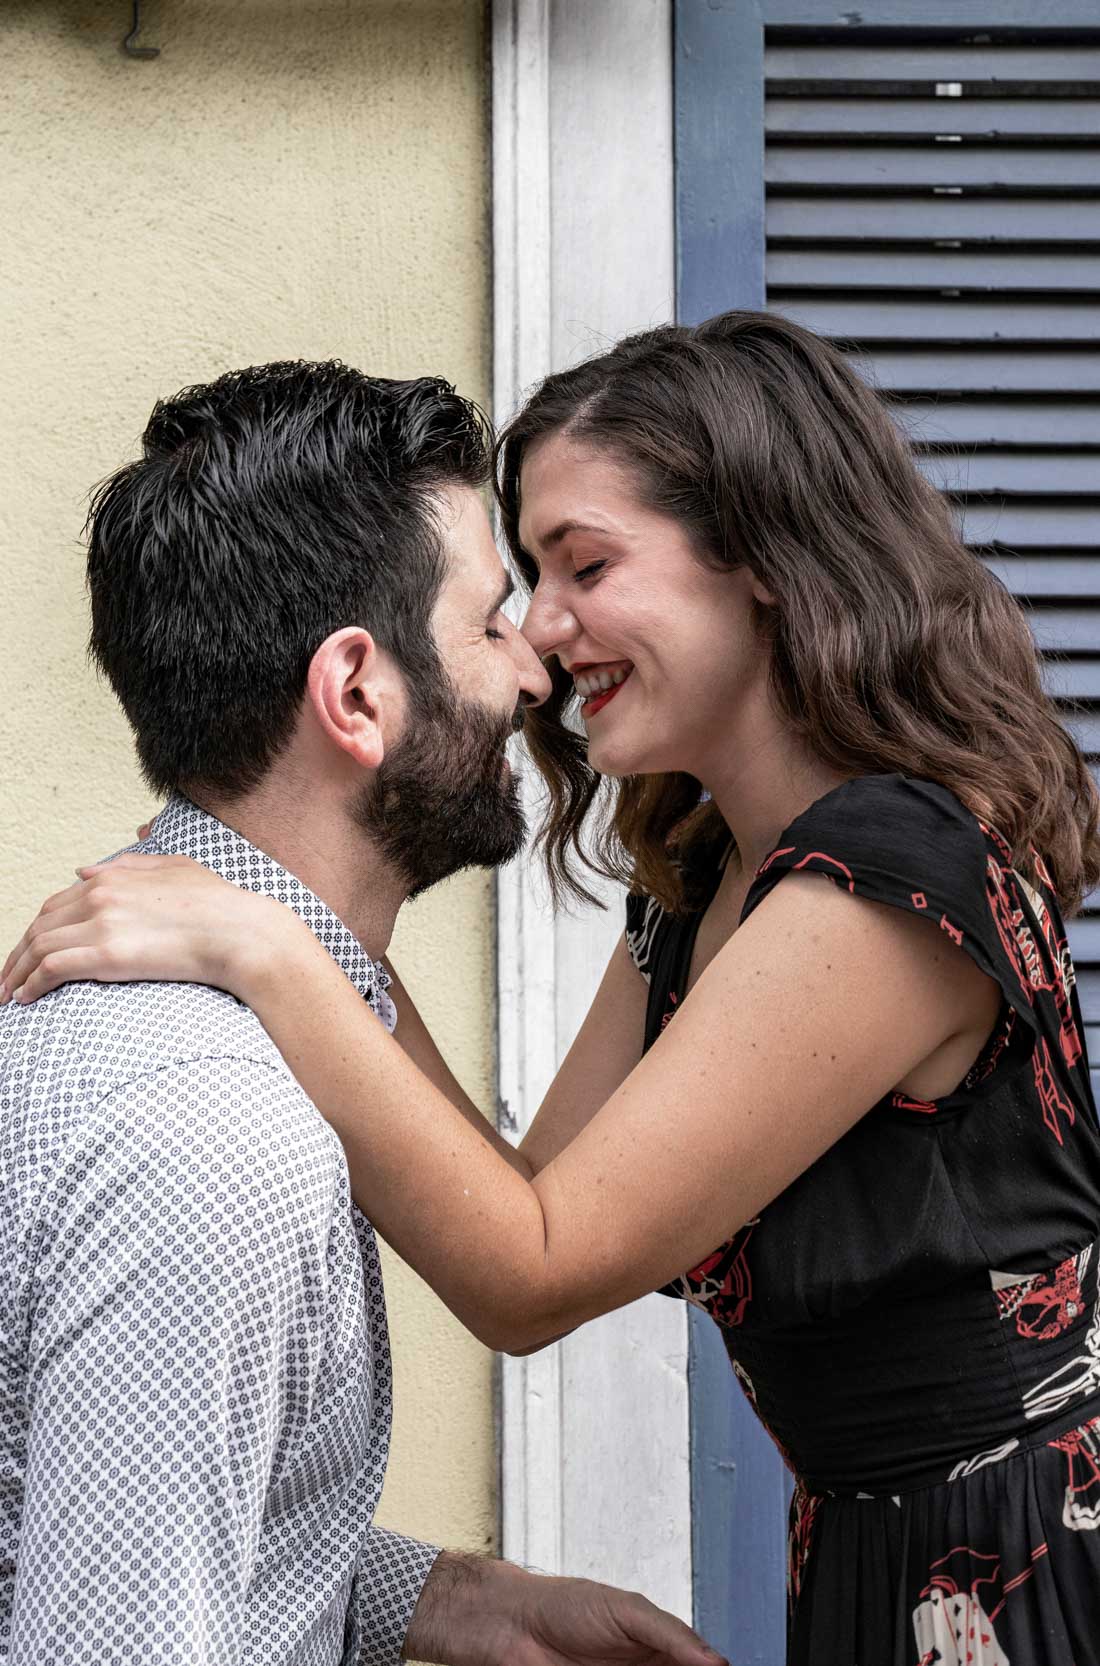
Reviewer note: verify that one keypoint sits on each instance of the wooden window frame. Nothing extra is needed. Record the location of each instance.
(595, 1467)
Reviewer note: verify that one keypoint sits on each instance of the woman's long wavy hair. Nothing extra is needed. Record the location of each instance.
(892, 647)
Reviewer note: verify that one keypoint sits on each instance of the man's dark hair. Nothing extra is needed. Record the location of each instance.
(268, 509)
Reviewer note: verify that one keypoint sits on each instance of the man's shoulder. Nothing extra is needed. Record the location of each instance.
(85, 1037)
(160, 1066)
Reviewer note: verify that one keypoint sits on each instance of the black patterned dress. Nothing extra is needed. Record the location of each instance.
(916, 1319)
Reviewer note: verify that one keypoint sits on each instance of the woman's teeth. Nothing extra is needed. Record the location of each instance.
(596, 682)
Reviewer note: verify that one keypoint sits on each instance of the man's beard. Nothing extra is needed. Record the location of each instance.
(442, 798)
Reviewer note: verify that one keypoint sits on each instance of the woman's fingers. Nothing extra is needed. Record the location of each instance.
(91, 892)
(62, 899)
(140, 862)
(60, 913)
(42, 923)
(39, 943)
(83, 903)
(62, 966)
(13, 956)
(138, 917)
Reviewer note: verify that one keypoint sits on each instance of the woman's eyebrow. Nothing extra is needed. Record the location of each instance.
(564, 528)
(560, 531)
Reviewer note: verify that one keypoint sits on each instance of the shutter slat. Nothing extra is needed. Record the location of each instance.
(1088, 993)
(1008, 422)
(993, 269)
(1014, 474)
(975, 370)
(939, 62)
(862, 118)
(1085, 729)
(977, 166)
(1066, 630)
(860, 318)
(923, 219)
(1084, 945)
(1047, 577)
(1073, 679)
(1017, 526)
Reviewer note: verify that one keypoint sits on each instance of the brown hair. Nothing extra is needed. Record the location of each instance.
(892, 646)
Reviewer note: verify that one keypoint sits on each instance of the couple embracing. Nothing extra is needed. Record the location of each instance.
(832, 1088)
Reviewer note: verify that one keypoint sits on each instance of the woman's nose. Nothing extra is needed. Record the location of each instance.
(547, 626)
(534, 679)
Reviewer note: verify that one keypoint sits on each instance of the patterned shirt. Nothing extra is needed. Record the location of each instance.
(195, 1388)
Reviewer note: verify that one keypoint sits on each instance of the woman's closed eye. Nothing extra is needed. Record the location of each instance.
(590, 571)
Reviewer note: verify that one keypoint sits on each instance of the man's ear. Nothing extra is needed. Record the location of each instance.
(345, 688)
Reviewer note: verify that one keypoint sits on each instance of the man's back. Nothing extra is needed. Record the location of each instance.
(194, 1370)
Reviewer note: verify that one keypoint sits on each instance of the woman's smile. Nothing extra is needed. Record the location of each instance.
(598, 684)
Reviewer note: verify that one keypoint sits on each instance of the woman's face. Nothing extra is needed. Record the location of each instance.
(663, 650)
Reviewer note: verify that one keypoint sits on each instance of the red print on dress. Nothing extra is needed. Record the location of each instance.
(774, 857)
(722, 1284)
(804, 1508)
(1051, 1303)
(1081, 1509)
(1057, 975)
(1002, 844)
(1042, 872)
(953, 1622)
(811, 856)
(927, 1107)
(1005, 919)
(1051, 1097)
(820, 856)
(1051, 974)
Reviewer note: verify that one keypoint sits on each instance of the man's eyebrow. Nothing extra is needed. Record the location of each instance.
(507, 589)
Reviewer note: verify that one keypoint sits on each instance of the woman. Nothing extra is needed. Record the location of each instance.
(874, 1096)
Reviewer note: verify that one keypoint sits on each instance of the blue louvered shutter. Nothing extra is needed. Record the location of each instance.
(935, 205)
(919, 182)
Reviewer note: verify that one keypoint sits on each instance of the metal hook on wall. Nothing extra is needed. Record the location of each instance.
(128, 46)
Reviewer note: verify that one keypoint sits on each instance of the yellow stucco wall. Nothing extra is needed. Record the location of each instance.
(291, 178)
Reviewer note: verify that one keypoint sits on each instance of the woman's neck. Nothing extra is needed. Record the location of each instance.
(765, 789)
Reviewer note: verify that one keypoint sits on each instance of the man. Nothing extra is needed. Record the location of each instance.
(297, 599)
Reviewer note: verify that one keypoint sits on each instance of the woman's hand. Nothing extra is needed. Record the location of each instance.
(138, 917)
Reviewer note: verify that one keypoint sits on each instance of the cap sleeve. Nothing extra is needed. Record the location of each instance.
(913, 845)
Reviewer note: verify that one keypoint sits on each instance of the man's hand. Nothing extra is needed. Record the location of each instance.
(484, 1613)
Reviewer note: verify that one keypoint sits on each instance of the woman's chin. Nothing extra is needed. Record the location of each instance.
(618, 758)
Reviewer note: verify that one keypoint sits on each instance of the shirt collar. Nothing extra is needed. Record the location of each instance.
(182, 829)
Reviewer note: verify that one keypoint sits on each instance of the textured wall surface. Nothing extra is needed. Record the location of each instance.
(290, 178)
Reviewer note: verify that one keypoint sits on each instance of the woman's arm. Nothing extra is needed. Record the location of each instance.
(605, 1051)
(781, 1046)
(417, 1044)
(790, 1035)
(608, 1046)
(86, 932)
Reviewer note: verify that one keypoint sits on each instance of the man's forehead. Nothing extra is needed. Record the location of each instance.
(474, 566)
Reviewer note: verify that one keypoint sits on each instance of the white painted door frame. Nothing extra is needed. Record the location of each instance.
(595, 1470)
